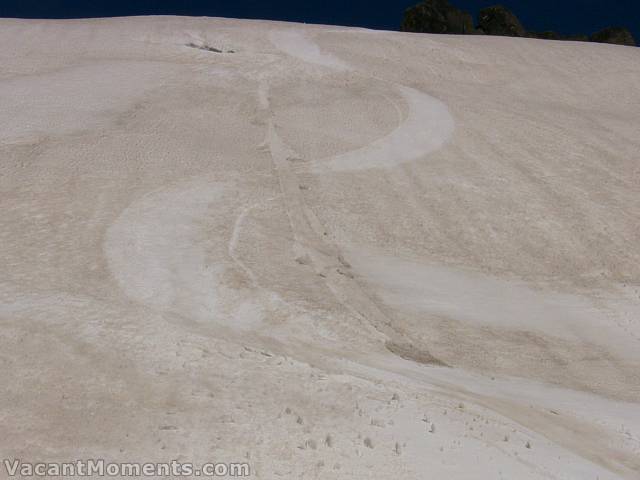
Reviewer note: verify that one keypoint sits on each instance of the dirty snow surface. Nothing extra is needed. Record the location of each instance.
(326, 252)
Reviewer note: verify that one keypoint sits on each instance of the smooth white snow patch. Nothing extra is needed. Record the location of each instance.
(298, 45)
(155, 250)
(484, 300)
(428, 126)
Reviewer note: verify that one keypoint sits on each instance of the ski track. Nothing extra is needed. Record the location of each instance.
(167, 268)
(426, 128)
(235, 237)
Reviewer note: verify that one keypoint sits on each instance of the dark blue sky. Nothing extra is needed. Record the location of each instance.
(564, 16)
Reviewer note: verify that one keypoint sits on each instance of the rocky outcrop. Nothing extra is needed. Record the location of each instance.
(615, 35)
(498, 20)
(437, 16)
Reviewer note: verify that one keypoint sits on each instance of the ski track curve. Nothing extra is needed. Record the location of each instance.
(426, 128)
(235, 238)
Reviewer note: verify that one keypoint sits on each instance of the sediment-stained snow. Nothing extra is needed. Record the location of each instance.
(450, 290)
(73, 98)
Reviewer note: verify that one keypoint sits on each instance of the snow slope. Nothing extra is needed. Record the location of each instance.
(328, 252)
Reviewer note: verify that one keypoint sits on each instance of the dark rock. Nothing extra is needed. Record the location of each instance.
(437, 16)
(497, 20)
(206, 48)
(616, 35)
